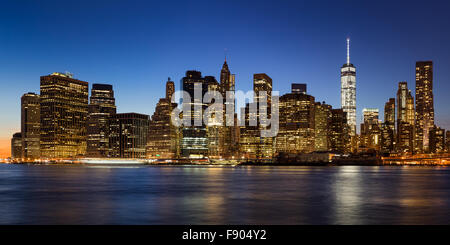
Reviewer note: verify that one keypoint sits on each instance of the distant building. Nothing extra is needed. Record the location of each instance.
(437, 140)
(215, 128)
(388, 128)
(194, 139)
(348, 91)
(101, 108)
(252, 144)
(424, 105)
(296, 124)
(370, 130)
(298, 88)
(229, 143)
(64, 110)
(387, 142)
(16, 147)
(339, 131)
(322, 126)
(405, 119)
(447, 140)
(30, 126)
(128, 134)
(163, 136)
(389, 114)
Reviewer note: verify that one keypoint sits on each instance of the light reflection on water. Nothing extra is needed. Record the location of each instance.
(223, 195)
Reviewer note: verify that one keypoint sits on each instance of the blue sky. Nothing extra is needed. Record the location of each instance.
(136, 45)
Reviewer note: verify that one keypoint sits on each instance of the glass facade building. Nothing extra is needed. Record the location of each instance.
(348, 91)
(101, 107)
(31, 126)
(64, 111)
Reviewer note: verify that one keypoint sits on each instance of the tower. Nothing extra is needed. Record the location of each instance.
(30, 126)
(348, 91)
(101, 108)
(64, 111)
(424, 105)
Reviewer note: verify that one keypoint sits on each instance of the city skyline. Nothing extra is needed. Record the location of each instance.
(311, 70)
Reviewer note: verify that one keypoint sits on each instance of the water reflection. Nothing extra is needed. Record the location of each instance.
(223, 195)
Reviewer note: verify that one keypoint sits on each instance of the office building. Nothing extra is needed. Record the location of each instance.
(128, 134)
(64, 111)
(30, 126)
(102, 106)
(424, 120)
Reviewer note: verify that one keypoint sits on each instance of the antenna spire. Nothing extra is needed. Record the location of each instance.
(348, 51)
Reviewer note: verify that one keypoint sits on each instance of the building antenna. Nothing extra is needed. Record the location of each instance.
(348, 51)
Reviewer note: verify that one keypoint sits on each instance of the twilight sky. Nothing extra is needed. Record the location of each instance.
(136, 45)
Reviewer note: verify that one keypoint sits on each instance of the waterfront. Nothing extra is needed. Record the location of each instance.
(74, 194)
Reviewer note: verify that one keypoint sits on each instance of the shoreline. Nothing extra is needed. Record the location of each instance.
(243, 164)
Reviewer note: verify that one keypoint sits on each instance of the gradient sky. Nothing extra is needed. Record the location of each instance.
(136, 45)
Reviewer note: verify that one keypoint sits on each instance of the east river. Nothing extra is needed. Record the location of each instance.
(76, 194)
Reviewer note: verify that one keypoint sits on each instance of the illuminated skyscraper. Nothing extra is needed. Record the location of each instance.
(252, 144)
(339, 131)
(389, 114)
(388, 128)
(128, 135)
(170, 89)
(348, 91)
(163, 135)
(194, 140)
(30, 126)
(228, 142)
(296, 124)
(298, 88)
(405, 119)
(370, 130)
(424, 104)
(64, 110)
(101, 107)
(322, 126)
(16, 147)
(437, 140)
(215, 129)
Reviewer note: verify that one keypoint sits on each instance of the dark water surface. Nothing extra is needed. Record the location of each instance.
(31, 194)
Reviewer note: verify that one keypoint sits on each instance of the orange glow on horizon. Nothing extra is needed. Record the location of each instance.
(5, 148)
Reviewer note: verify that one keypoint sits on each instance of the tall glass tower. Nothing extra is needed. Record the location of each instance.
(348, 91)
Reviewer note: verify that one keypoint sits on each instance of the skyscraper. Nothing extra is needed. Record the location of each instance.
(64, 110)
(296, 124)
(170, 89)
(348, 91)
(388, 128)
(252, 144)
(162, 134)
(298, 88)
(215, 127)
(389, 114)
(405, 119)
(128, 135)
(194, 138)
(16, 146)
(30, 126)
(339, 131)
(322, 126)
(437, 140)
(101, 107)
(370, 130)
(229, 142)
(424, 104)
